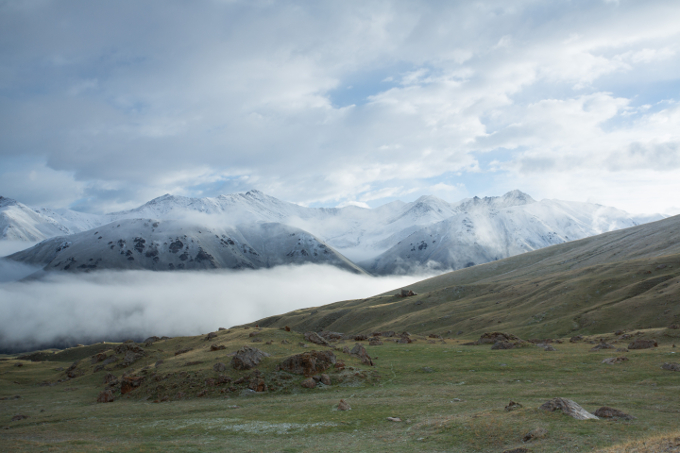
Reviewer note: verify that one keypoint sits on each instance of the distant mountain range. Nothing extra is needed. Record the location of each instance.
(254, 230)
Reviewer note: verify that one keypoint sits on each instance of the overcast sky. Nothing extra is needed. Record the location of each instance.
(107, 104)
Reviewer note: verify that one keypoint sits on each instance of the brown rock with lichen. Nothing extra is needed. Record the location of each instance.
(308, 363)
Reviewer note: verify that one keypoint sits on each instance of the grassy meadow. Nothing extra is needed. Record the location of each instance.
(450, 397)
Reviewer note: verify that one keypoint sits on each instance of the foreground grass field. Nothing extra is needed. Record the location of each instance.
(450, 397)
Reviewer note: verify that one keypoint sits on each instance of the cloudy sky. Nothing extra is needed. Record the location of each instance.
(105, 105)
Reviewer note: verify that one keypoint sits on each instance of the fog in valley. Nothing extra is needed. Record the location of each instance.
(65, 309)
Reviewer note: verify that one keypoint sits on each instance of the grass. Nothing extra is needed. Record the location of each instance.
(450, 397)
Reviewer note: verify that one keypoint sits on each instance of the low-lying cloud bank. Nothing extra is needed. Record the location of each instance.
(66, 309)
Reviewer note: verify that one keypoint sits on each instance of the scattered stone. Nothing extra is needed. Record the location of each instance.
(568, 407)
(110, 379)
(285, 342)
(308, 363)
(502, 345)
(374, 342)
(494, 337)
(18, 364)
(344, 406)
(621, 349)
(427, 369)
(257, 383)
(536, 433)
(608, 412)
(518, 450)
(131, 357)
(642, 344)
(221, 328)
(407, 293)
(360, 351)
(339, 366)
(602, 345)
(247, 357)
(671, 366)
(219, 367)
(512, 406)
(614, 360)
(394, 419)
(287, 329)
(129, 383)
(360, 337)
(325, 379)
(183, 351)
(18, 417)
(404, 340)
(328, 335)
(151, 340)
(15, 397)
(674, 326)
(217, 347)
(549, 348)
(434, 335)
(308, 383)
(576, 339)
(98, 358)
(105, 397)
(315, 338)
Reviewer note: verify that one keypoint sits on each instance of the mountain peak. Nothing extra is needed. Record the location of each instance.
(4, 201)
(519, 196)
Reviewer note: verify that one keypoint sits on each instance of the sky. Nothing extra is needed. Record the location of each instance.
(105, 105)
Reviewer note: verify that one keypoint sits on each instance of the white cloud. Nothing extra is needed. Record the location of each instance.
(115, 305)
(142, 99)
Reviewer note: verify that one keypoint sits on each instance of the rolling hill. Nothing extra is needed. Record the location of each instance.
(624, 279)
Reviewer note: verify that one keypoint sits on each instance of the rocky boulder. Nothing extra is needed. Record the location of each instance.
(494, 337)
(614, 360)
(308, 383)
(105, 397)
(536, 433)
(360, 351)
(315, 338)
(502, 345)
(602, 346)
(129, 383)
(567, 407)
(671, 366)
(328, 335)
(344, 406)
(609, 412)
(247, 357)
(642, 344)
(308, 363)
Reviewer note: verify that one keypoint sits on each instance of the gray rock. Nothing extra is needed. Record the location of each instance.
(568, 407)
(247, 357)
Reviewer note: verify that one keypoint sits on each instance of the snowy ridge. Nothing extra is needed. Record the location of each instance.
(398, 237)
(174, 245)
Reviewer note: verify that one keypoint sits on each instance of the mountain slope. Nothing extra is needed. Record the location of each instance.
(18, 222)
(625, 279)
(172, 244)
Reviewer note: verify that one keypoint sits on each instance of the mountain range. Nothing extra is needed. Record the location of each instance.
(254, 230)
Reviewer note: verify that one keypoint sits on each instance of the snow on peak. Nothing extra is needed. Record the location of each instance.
(4, 201)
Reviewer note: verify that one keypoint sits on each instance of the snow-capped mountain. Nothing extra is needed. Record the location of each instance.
(490, 229)
(174, 244)
(18, 222)
(394, 238)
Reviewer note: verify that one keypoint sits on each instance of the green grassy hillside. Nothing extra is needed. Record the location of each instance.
(627, 279)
